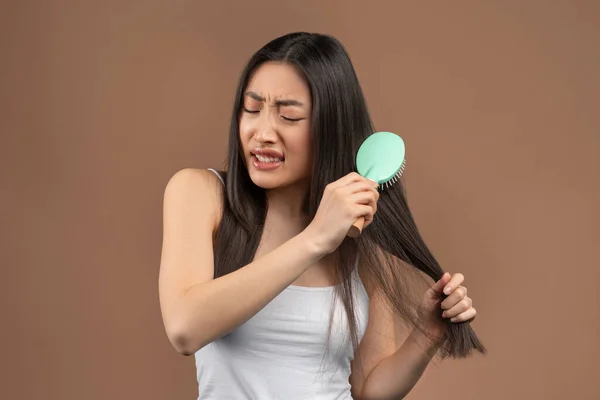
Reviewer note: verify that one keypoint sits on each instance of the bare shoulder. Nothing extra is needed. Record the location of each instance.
(194, 179)
(194, 189)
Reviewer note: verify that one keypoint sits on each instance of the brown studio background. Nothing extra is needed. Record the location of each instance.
(101, 102)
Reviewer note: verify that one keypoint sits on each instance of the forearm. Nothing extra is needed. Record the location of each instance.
(395, 376)
(215, 308)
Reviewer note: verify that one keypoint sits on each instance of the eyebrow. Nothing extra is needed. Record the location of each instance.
(279, 103)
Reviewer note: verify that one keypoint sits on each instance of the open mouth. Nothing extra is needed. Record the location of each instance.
(267, 160)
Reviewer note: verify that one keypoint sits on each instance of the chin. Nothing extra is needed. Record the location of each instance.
(267, 180)
(273, 180)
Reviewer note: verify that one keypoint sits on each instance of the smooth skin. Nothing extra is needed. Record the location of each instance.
(198, 309)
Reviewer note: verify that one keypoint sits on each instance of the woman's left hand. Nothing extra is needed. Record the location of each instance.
(457, 306)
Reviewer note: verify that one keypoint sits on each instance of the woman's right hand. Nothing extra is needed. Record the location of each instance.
(343, 202)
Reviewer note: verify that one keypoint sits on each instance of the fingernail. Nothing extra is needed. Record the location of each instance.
(444, 314)
(447, 289)
(453, 319)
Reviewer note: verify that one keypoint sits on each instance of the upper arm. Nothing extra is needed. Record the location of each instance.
(383, 336)
(191, 211)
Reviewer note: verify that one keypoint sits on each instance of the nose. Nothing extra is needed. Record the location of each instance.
(265, 131)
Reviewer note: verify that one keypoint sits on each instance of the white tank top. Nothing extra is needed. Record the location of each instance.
(283, 351)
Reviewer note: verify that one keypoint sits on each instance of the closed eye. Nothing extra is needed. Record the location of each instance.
(282, 117)
(292, 119)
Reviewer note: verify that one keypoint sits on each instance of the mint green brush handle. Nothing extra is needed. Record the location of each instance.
(380, 158)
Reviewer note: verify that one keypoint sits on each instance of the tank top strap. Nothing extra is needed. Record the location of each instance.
(218, 175)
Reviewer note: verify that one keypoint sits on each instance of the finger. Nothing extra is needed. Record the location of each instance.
(364, 211)
(367, 197)
(348, 179)
(465, 316)
(458, 308)
(454, 297)
(443, 281)
(360, 186)
(456, 280)
(372, 202)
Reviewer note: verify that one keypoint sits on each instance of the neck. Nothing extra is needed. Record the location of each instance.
(287, 202)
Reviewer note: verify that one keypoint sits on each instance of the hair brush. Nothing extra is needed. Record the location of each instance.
(380, 158)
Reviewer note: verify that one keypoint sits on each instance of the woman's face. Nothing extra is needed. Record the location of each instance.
(275, 126)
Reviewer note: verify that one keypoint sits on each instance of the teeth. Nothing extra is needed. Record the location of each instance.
(267, 159)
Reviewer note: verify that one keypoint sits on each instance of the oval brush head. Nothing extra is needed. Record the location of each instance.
(380, 158)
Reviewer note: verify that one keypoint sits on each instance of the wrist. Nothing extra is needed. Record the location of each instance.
(311, 245)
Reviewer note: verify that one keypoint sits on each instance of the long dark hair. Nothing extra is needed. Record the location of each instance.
(391, 250)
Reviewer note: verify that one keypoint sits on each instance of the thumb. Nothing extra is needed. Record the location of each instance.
(438, 287)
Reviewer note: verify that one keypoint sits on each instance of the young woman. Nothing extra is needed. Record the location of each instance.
(258, 279)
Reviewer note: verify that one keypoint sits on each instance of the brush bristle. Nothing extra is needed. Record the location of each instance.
(395, 178)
